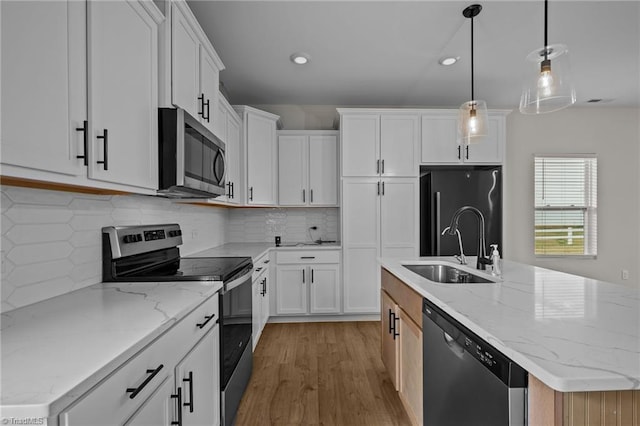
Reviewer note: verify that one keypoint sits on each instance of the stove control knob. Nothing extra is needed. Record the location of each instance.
(131, 238)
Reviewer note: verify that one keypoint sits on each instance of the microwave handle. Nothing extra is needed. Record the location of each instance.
(219, 155)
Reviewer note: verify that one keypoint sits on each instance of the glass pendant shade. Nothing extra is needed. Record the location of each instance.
(548, 85)
(472, 122)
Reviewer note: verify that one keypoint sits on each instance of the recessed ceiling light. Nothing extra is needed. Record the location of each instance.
(300, 58)
(449, 60)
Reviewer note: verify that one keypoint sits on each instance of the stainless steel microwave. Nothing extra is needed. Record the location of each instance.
(192, 161)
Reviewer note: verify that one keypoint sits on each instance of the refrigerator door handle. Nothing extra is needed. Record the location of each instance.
(436, 213)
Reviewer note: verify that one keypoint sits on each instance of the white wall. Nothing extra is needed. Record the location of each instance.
(613, 134)
(51, 241)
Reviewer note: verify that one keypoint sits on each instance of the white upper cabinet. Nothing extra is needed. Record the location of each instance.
(228, 130)
(360, 136)
(399, 138)
(440, 141)
(379, 143)
(195, 67)
(259, 151)
(90, 80)
(308, 168)
(123, 94)
(45, 43)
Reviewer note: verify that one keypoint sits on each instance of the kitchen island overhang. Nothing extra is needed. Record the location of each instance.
(573, 333)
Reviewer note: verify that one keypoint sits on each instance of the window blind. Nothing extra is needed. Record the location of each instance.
(565, 205)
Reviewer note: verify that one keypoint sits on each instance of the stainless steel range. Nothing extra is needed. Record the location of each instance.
(150, 253)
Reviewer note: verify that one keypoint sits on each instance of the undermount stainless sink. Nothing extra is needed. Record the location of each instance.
(446, 274)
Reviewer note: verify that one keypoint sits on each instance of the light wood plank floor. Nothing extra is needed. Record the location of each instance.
(320, 374)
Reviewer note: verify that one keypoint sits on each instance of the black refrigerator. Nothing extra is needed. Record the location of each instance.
(443, 190)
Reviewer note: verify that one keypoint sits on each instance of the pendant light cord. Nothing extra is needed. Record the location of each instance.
(472, 98)
(546, 29)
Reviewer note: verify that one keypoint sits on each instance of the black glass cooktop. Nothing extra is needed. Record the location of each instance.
(196, 269)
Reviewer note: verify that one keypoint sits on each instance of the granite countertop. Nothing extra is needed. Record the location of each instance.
(56, 350)
(573, 333)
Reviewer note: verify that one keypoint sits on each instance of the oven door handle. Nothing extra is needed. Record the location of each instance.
(238, 281)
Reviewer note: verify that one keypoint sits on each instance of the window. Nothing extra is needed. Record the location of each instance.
(565, 205)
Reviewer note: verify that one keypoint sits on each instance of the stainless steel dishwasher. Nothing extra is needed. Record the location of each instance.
(466, 380)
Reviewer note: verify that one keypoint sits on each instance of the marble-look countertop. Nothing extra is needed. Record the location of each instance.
(257, 250)
(56, 350)
(572, 333)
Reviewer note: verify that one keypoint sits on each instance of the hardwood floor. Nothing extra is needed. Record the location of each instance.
(320, 374)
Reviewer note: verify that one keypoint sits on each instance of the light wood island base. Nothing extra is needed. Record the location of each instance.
(548, 407)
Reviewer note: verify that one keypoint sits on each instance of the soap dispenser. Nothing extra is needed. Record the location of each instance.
(496, 269)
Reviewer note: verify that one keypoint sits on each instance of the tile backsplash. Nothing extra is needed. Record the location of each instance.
(51, 241)
(292, 224)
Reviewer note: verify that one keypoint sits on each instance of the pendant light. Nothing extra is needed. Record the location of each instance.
(472, 117)
(548, 86)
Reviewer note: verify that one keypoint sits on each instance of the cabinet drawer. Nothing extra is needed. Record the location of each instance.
(260, 266)
(309, 256)
(110, 401)
(403, 295)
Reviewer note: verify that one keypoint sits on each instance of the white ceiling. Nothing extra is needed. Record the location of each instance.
(385, 53)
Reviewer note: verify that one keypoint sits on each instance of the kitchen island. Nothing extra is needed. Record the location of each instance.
(578, 338)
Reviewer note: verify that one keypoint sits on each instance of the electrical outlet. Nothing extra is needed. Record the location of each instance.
(315, 228)
(625, 274)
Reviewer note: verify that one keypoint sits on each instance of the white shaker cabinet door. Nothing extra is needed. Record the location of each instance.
(123, 94)
(292, 170)
(209, 83)
(185, 51)
(44, 88)
(489, 150)
(264, 300)
(324, 289)
(233, 159)
(261, 160)
(399, 217)
(291, 290)
(323, 170)
(360, 135)
(439, 140)
(199, 376)
(256, 313)
(159, 409)
(399, 138)
(361, 236)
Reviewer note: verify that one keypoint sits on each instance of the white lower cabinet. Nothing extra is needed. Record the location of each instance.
(260, 297)
(199, 379)
(180, 369)
(308, 282)
(159, 409)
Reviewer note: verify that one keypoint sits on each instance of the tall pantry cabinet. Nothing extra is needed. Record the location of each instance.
(379, 198)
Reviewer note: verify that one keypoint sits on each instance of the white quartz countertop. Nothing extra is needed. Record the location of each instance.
(56, 350)
(257, 250)
(573, 333)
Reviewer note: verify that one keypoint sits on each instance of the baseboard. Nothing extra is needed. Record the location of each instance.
(324, 318)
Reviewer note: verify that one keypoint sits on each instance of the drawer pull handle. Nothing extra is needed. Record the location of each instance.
(266, 261)
(207, 319)
(190, 403)
(85, 130)
(307, 257)
(259, 269)
(152, 374)
(105, 149)
(178, 396)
